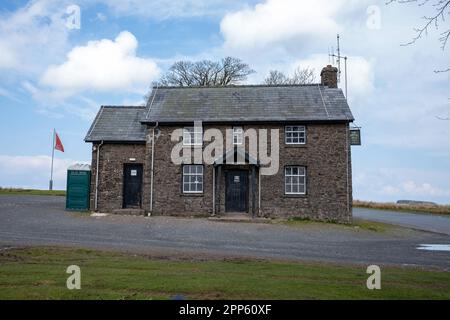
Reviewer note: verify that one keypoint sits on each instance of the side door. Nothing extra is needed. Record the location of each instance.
(132, 186)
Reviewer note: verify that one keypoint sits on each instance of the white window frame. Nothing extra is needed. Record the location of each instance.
(192, 136)
(296, 132)
(187, 181)
(289, 175)
(238, 136)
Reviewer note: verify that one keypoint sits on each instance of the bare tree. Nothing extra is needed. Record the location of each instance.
(276, 77)
(436, 20)
(228, 71)
(300, 76)
(303, 76)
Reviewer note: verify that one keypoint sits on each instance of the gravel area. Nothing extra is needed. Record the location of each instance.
(42, 220)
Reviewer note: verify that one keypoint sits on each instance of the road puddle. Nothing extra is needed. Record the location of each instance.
(434, 247)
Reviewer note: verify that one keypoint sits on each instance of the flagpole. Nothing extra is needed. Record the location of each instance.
(53, 155)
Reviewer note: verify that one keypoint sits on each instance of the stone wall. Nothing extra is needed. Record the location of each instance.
(325, 156)
(111, 164)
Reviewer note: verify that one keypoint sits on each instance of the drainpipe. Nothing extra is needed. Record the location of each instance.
(214, 191)
(152, 167)
(347, 142)
(96, 176)
(259, 192)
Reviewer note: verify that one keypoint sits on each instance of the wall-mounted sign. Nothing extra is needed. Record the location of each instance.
(355, 136)
(236, 179)
(133, 173)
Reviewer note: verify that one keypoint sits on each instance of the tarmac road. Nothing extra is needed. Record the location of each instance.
(42, 220)
(426, 222)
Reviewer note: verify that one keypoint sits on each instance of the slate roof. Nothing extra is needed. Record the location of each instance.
(220, 104)
(258, 103)
(118, 124)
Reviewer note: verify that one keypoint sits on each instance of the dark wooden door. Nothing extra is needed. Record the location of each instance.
(236, 191)
(132, 186)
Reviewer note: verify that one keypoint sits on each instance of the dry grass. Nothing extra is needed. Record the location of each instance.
(436, 209)
(17, 191)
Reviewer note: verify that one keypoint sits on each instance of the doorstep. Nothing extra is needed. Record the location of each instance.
(238, 218)
(131, 212)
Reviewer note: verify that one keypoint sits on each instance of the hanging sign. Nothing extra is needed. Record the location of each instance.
(355, 136)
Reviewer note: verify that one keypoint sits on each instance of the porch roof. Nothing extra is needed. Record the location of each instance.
(236, 156)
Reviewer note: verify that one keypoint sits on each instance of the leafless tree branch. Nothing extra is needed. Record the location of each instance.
(228, 71)
(300, 76)
(442, 71)
(442, 9)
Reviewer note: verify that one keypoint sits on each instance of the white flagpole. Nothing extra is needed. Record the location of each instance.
(53, 155)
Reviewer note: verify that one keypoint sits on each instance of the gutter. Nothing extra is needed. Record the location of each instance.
(96, 176)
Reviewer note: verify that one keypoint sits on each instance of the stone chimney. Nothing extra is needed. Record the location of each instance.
(329, 76)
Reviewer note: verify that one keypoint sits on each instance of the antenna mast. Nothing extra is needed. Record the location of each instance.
(338, 60)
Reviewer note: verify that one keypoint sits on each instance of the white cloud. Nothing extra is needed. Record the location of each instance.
(360, 72)
(7, 58)
(411, 189)
(391, 184)
(32, 36)
(7, 94)
(425, 188)
(33, 171)
(103, 65)
(54, 103)
(282, 21)
(101, 17)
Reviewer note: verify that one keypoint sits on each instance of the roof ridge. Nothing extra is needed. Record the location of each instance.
(118, 106)
(241, 86)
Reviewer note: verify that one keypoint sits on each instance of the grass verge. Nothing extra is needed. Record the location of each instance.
(437, 209)
(16, 191)
(357, 224)
(40, 273)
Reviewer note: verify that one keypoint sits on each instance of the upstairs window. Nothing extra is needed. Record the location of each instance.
(295, 180)
(295, 134)
(238, 134)
(192, 179)
(193, 136)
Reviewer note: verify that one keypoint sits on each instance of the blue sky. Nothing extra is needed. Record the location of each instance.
(55, 75)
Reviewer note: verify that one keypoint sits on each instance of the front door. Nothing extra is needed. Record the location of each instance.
(236, 191)
(132, 186)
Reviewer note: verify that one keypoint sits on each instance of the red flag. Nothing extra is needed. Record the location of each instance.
(58, 144)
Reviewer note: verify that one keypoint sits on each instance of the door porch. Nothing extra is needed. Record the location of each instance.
(235, 184)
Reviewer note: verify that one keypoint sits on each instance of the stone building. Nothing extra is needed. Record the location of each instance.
(266, 151)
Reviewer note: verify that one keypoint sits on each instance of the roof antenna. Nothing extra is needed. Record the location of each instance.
(338, 59)
(332, 55)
